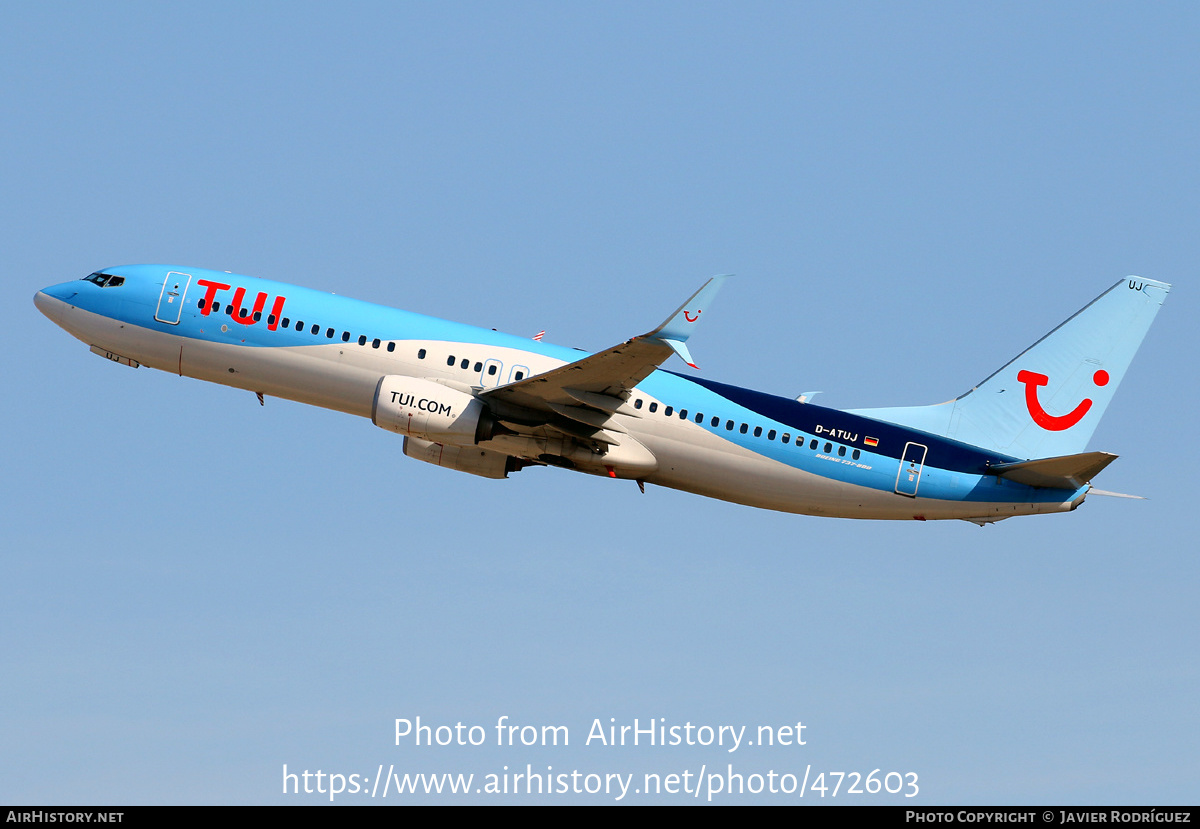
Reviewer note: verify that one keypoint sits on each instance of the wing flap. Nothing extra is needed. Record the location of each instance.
(588, 417)
(603, 402)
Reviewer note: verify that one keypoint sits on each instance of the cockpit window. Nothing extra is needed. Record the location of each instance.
(105, 280)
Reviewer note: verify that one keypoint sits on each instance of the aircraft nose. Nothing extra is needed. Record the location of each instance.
(51, 301)
(63, 291)
(46, 305)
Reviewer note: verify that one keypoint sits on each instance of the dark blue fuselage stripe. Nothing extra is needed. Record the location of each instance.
(806, 417)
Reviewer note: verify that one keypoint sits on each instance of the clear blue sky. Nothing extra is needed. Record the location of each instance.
(198, 590)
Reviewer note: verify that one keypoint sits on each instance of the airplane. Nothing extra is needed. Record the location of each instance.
(490, 404)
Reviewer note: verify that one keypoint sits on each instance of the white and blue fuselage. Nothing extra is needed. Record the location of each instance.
(619, 417)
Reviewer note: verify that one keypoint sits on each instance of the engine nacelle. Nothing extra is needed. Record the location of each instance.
(462, 458)
(423, 409)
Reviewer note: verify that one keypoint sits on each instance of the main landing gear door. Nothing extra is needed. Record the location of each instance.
(911, 465)
(170, 301)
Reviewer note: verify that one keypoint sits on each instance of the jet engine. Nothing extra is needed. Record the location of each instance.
(424, 409)
(482, 462)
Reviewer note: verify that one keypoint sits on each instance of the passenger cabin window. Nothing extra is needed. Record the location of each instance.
(362, 339)
(637, 404)
(299, 325)
(771, 435)
(812, 444)
(391, 346)
(520, 375)
(758, 431)
(667, 411)
(856, 455)
(653, 407)
(375, 343)
(345, 336)
(329, 333)
(491, 369)
(316, 329)
(421, 354)
(744, 428)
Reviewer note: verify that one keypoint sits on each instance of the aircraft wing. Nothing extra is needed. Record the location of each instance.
(603, 380)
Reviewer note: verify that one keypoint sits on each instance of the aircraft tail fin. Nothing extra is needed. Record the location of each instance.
(1048, 401)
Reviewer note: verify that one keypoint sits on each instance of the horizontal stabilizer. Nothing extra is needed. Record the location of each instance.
(1115, 494)
(1066, 472)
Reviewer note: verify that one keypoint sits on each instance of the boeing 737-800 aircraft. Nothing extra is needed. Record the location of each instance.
(490, 404)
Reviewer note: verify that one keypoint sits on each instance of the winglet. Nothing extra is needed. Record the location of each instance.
(679, 326)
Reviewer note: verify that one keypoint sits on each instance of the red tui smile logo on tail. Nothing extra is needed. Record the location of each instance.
(1050, 422)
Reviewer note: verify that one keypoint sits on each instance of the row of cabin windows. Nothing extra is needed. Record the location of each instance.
(286, 323)
(520, 375)
(744, 428)
(362, 340)
(465, 363)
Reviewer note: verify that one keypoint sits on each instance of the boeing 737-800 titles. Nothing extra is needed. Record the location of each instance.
(490, 404)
